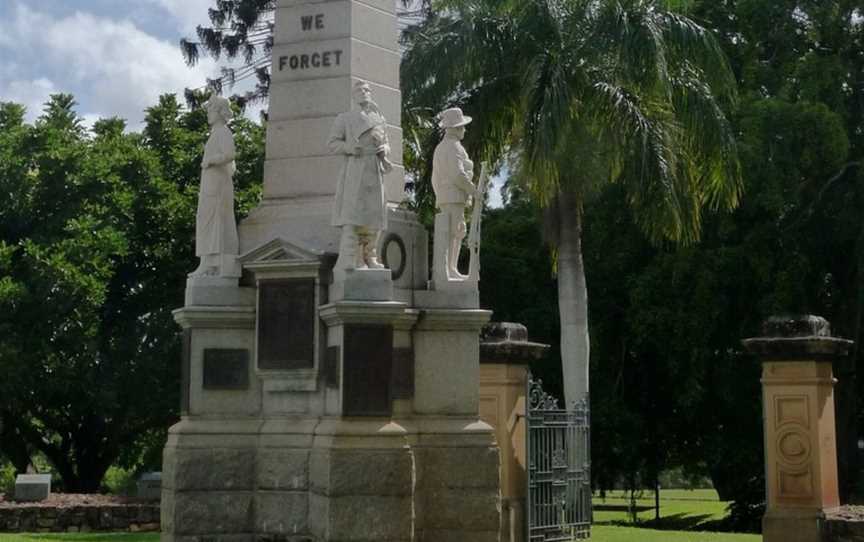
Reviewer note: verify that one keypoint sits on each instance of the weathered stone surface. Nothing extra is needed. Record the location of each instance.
(166, 510)
(805, 325)
(444, 535)
(210, 538)
(361, 472)
(85, 518)
(150, 486)
(454, 468)
(360, 518)
(845, 524)
(212, 512)
(283, 469)
(216, 469)
(460, 509)
(281, 512)
(32, 487)
(797, 338)
(446, 376)
(495, 332)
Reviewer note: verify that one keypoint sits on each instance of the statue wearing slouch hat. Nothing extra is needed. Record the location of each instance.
(452, 172)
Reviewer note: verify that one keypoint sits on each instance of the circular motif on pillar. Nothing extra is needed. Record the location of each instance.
(793, 446)
(393, 255)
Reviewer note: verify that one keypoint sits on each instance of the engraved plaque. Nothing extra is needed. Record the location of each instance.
(226, 369)
(186, 371)
(286, 325)
(403, 373)
(368, 360)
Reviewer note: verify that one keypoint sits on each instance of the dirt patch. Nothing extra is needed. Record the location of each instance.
(846, 513)
(69, 500)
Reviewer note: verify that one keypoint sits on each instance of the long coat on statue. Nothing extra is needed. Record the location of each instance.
(360, 192)
(215, 227)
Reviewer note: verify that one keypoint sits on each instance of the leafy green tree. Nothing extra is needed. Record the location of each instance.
(588, 92)
(805, 57)
(94, 247)
(670, 321)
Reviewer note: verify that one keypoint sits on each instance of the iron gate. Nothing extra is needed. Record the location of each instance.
(558, 504)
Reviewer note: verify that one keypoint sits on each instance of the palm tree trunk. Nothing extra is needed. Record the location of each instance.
(572, 299)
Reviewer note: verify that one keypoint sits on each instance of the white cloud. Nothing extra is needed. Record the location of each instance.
(188, 13)
(121, 68)
(31, 94)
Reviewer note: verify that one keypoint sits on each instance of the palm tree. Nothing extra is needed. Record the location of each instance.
(585, 93)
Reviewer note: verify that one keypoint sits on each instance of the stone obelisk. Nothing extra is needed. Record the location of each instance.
(315, 411)
(321, 50)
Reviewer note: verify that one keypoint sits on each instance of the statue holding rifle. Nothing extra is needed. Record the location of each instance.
(452, 174)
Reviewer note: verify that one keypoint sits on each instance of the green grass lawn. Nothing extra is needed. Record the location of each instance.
(680, 509)
(608, 533)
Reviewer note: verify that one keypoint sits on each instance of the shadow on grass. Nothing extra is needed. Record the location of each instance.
(674, 522)
(620, 508)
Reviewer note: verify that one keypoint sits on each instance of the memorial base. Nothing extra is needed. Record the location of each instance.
(331, 480)
(793, 526)
(454, 295)
(217, 291)
(362, 285)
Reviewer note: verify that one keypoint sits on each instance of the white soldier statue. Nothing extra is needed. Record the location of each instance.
(452, 172)
(360, 210)
(216, 241)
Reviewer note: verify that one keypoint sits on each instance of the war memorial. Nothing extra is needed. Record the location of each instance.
(331, 378)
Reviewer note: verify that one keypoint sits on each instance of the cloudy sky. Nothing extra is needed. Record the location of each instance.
(115, 56)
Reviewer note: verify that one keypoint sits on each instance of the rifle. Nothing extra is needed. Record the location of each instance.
(476, 218)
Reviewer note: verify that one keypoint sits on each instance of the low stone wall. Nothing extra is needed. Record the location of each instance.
(74, 519)
(845, 525)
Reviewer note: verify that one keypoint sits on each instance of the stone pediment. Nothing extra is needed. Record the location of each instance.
(282, 258)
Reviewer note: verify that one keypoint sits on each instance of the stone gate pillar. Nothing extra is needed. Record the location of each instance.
(800, 442)
(505, 359)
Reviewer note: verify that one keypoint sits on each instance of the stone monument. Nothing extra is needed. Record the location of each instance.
(797, 355)
(328, 394)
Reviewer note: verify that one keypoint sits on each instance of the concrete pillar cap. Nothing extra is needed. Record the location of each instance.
(507, 343)
(797, 338)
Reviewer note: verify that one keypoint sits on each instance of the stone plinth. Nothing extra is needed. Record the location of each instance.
(149, 486)
(447, 354)
(800, 441)
(32, 487)
(505, 358)
(368, 344)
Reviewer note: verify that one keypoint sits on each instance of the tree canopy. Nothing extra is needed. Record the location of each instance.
(95, 239)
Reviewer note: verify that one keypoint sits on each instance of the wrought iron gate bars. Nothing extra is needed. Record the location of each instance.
(558, 501)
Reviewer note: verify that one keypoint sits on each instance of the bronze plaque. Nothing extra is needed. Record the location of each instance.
(286, 325)
(226, 369)
(403, 373)
(368, 362)
(186, 371)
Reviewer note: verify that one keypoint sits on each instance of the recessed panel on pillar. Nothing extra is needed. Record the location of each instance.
(286, 325)
(368, 364)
